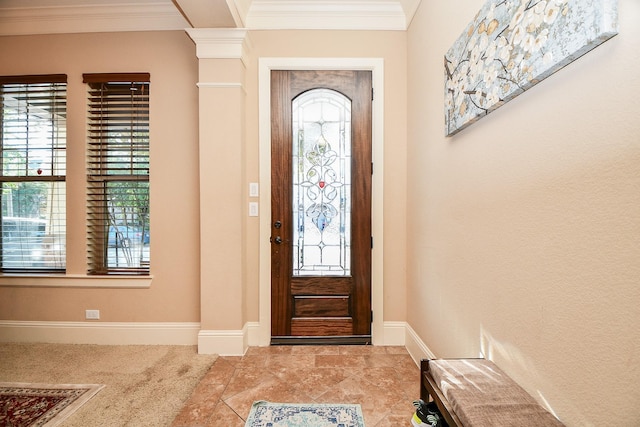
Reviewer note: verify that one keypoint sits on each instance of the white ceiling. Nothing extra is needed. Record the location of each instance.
(21, 17)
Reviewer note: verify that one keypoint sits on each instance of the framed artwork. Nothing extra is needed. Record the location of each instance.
(511, 45)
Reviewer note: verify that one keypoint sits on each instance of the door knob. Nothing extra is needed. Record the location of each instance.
(277, 240)
(277, 224)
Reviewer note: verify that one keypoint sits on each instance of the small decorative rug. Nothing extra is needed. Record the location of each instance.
(42, 405)
(269, 414)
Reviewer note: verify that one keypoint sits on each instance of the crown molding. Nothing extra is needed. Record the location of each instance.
(410, 8)
(91, 18)
(239, 10)
(78, 16)
(326, 15)
(227, 43)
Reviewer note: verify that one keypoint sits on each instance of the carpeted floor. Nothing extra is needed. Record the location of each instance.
(144, 385)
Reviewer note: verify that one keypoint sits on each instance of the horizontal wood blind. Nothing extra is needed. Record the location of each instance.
(36, 78)
(118, 173)
(33, 145)
(34, 127)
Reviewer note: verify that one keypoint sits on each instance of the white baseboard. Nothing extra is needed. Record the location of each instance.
(401, 333)
(252, 333)
(394, 333)
(237, 342)
(416, 347)
(105, 333)
(223, 342)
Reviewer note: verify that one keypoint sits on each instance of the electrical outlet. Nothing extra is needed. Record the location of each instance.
(92, 314)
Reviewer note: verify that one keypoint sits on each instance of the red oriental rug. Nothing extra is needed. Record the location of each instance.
(42, 405)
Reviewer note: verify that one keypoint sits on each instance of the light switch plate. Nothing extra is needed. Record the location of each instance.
(254, 189)
(253, 208)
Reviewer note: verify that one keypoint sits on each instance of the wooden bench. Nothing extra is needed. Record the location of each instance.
(476, 393)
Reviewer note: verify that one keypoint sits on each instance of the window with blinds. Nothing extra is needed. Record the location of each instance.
(32, 174)
(118, 173)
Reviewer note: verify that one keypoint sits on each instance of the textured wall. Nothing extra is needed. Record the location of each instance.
(525, 227)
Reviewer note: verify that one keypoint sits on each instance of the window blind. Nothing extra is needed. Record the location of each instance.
(118, 173)
(33, 173)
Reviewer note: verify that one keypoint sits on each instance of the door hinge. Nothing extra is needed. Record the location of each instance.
(371, 168)
(372, 94)
(371, 242)
(371, 316)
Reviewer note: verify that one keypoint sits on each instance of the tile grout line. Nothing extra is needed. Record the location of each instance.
(221, 400)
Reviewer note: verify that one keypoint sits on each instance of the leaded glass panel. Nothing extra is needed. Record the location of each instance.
(321, 184)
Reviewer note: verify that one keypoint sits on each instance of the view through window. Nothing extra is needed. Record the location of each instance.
(33, 196)
(118, 173)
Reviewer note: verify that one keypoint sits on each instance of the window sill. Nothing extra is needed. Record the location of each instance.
(75, 281)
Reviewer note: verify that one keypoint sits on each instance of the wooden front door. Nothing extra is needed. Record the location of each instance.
(321, 206)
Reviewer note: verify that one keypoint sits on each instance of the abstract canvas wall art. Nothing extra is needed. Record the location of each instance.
(511, 45)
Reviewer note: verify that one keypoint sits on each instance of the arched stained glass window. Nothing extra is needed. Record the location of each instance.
(321, 184)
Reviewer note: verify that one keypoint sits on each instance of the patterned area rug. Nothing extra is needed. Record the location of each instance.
(270, 414)
(42, 405)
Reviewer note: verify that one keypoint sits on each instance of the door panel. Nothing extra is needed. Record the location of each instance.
(321, 206)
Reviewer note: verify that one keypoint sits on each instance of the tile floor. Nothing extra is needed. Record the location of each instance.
(383, 380)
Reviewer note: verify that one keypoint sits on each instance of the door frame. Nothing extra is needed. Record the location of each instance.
(376, 66)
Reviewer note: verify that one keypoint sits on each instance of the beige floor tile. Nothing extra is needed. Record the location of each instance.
(273, 349)
(383, 380)
(290, 361)
(315, 349)
(361, 349)
(272, 390)
(195, 413)
(245, 379)
(339, 361)
(313, 381)
(225, 416)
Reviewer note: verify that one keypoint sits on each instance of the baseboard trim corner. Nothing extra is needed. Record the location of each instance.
(252, 332)
(223, 342)
(394, 333)
(416, 347)
(236, 342)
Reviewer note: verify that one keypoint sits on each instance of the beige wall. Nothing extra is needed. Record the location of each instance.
(229, 296)
(525, 227)
(174, 294)
(391, 47)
